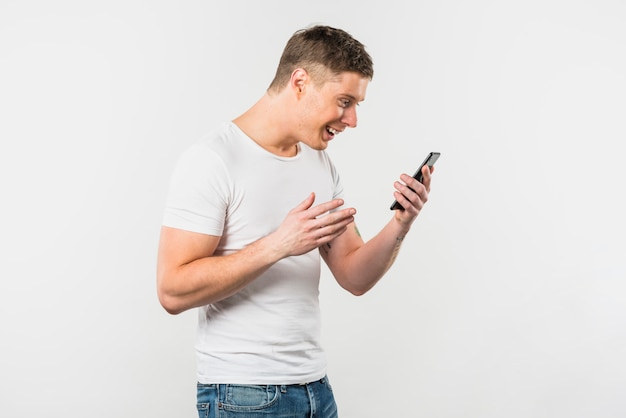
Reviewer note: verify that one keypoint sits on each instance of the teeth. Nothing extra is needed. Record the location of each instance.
(332, 131)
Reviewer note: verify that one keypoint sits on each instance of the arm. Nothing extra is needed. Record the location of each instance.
(357, 266)
(190, 275)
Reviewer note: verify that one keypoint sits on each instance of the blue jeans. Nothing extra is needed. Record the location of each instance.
(311, 400)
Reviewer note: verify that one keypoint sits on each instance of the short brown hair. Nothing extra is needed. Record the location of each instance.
(322, 48)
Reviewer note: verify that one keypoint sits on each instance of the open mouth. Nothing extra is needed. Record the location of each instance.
(332, 132)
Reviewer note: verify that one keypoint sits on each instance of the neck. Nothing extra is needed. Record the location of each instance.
(264, 124)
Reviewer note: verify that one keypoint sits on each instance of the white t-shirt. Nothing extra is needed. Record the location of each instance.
(227, 185)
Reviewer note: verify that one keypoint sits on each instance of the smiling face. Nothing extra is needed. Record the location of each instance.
(328, 109)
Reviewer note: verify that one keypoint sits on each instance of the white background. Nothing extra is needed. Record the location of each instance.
(508, 298)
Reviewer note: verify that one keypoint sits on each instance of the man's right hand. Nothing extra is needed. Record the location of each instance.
(307, 227)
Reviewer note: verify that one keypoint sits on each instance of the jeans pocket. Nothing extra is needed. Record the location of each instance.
(203, 410)
(205, 395)
(250, 397)
(327, 383)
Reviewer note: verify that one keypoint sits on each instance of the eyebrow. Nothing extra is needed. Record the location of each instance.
(352, 97)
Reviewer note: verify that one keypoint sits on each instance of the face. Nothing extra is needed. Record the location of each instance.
(329, 109)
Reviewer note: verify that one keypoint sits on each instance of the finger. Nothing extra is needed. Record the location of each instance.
(427, 176)
(411, 196)
(306, 203)
(333, 218)
(329, 232)
(408, 185)
(326, 206)
(402, 200)
(330, 223)
(329, 237)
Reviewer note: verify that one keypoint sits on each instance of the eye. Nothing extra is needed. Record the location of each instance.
(345, 102)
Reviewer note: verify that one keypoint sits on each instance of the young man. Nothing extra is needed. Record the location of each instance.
(251, 208)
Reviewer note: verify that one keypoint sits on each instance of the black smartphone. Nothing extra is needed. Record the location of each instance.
(429, 161)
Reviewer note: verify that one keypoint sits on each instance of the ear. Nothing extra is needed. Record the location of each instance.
(299, 81)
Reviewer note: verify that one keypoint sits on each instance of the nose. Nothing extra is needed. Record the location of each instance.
(349, 117)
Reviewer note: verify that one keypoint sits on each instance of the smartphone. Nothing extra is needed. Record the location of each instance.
(429, 161)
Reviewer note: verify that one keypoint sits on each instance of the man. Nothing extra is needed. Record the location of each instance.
(251, 208)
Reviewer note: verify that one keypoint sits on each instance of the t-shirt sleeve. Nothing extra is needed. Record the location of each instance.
(198, 192)
(337, 185)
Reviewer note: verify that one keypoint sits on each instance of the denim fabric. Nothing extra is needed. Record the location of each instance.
(311, 400)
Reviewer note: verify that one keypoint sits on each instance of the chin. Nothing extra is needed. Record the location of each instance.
(319, 145)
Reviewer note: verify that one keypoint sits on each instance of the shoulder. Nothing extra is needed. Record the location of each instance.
(216, 145)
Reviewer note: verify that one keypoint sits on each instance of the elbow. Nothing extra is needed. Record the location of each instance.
(358, 291)
(169, 305)
(171, 309)
(169, 296)
(355, 289)
(169, 302)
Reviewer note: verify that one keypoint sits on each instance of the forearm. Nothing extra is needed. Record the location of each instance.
(210, 279)
(366, 265)
(189, 275)
(358, 267)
